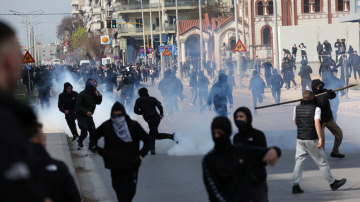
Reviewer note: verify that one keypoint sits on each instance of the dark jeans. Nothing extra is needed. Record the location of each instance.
(86, 124)
(154, 122)
(44, 98)
(259, 192)
(356, 70)
(305, 83)
(194, 95)
(276, 94)
(145, 78)
(267, 78)
(337, 54)
(29, 88)
(221, 109)
(320, 56)
(70, 119)
(203, 95)
(257, 97)
(124, 99)
(137, 85)
(325, 78)
(124, 183)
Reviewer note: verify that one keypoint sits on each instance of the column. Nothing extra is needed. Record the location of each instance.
(207, 49)
(346, 5)
(312, 7)
(183, 57)
(265, 7)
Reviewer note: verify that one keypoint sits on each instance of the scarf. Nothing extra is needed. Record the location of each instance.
(121, 129)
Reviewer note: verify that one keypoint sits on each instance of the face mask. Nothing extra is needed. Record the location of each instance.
(240, 124)
(222, 144)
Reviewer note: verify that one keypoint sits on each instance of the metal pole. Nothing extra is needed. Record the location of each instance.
(237, 39)
(151, 33)
(179, 72)
(275, 39)
(27, 35)
(220, 44)
(142, 15)
(201, 37)
(123, 56)
(161, 56)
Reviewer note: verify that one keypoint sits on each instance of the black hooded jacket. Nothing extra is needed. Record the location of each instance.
(253, 137)
(305, 71)
(227, 168)
(322, 101)
(166, 84)
(55, 177)
(146, 106)
(67, 101)
(86, 101)
(119, 155)
(220, 92)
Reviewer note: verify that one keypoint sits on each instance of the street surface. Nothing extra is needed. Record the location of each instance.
(175, 174)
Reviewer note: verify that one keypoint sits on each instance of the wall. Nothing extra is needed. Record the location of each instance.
(290, 35)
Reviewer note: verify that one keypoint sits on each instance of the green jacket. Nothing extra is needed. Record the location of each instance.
(86, 102)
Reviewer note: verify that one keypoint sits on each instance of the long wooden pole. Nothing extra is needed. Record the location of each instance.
(292, 101)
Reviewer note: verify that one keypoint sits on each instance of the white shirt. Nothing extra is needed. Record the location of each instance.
(317, 114)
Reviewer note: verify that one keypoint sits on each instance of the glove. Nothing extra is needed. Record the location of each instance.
(329, 91)
(137, 161)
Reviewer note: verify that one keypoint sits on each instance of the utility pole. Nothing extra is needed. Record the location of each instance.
(142, 15)
(161, 56)
(151, 33)
(201, 38)
(237, 39)
(179, 71)
(275, 39)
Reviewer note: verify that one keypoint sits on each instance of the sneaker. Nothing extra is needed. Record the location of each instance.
(295, 87)
(75, 138)
(340, 156)
(80, 145)
(297, 189)
(153, 151)
(337, 184)
(174, 137)
(92, 151)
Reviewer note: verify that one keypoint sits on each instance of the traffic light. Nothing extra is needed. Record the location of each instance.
(58, 51)
(108, 24)
(113, 22)
(153, 27)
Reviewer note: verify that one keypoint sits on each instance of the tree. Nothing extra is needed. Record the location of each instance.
(218, 9)
(93, 47)
(68, 26)
(78, 38)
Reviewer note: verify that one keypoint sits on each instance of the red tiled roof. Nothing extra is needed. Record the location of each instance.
(186, 25)
(215, 25)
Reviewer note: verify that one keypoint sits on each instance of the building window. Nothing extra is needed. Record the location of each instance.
(266, 38)
(246, 9)
(43, 51)
(50, 51)
(260, 8)
(43, 55)
(157, 22)
(305, 6)
(317, 6)
(138, 21)
(271, 8)
(340, 5)
(172, 20)
(232, 44)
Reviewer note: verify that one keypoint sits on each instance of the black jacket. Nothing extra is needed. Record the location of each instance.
(355, 59)
(86, 102)
(166, 85)
(126, 85)
(294, 50)
(276, 81)
(257, 85)
(55, 177)
(328, 48)
(15, 150)
(119, 155)
(67, 101)
(203, 83)
(110, 80)
(322, 101)
(319, 48)
(304, 73)
(305, 123)
(227, 175)
(220, 93)
(146, 106)
(43, 81)
(193, 81)
(252, 137)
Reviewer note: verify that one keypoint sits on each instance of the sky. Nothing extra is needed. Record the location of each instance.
(50, 22)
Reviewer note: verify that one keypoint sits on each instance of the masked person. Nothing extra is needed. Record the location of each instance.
(327, 118)
(219, 94)
(146, 106)
(276, 82)
(334, 84)
(67, 105)
(110, 81)
(203, 83)
(324, 70)
(126, 85)
(121, 151)
(86, 103)
(304, 73)
(257, 86)
(268, 67)
(227, 168)
(44, 84)
(248, 135)
(307, 118)
(166, 89)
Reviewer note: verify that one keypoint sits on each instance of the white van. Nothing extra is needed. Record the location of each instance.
(56, 62)
(85, 62)
(106, 61)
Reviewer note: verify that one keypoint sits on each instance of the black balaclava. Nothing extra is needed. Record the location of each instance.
(223, 143)
(66, 85)
(143, 92)
(274, 71)
(223, 78)
(241, 125)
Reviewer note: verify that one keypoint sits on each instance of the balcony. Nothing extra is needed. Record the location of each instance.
(74, 3)
(170, 27)
(170, 4)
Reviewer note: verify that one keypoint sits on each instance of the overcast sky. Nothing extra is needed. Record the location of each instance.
(48, 27)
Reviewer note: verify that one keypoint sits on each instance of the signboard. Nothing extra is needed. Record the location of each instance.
(122, 44)
(141, 50)
(170, 47)
(104, 56)
(97, 59)
(166, 52)
(66, 43)
(150, 56)
(116, 57)
(150, 49)
(239, 47)
(105, 39)
(28, 58)
(176, 52)
(142, 56)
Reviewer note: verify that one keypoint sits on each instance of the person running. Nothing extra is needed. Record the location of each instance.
(304, 73)
(327, 118)
(248, 135)
(67, 105)
(227, 168)
(307, 117)
(257, 86)
(193, 84)
(203, 84)
(86, 103)
(219, 94)
(276, 82)
(121, 152)
(166, 89)
(146, 106)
